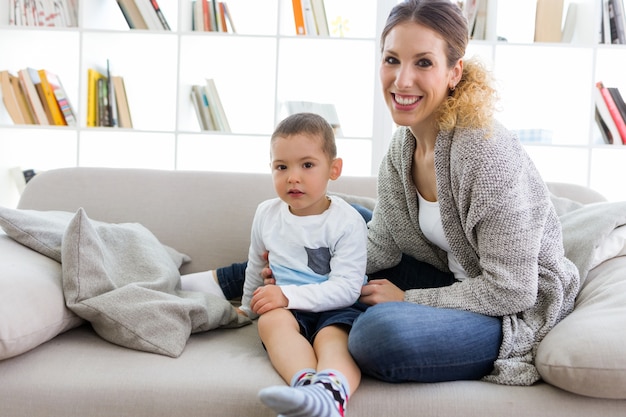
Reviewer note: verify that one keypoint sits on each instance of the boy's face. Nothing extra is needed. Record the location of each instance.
(301, 171)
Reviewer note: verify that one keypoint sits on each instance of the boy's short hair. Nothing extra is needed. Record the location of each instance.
(309, 124)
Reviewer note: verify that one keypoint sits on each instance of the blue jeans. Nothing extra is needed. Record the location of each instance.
(401, 341)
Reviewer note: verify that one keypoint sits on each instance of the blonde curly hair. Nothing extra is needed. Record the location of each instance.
(472, 103)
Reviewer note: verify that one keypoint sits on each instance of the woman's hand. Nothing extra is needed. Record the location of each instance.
(268, 298)
(379, 291)
(266, 273)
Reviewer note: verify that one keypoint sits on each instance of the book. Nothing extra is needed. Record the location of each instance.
(605, 131)
(132, 14)
(215, 106)
(48, 90)
(56, 13)
(17, 93)
(62, 99)
(206, 15)
(69, 12)
(229, 18)
(149, 15)
(309, 18)
(22, 100)
(160, 15)
(298, 17)
(111, 109)
(613, 110)
(32, 97)
(92, 96)
(201, 105)
(604, 120)
(102, 115)
(214, 16)
(9, 98)
(222, 17)
(196, 100)
(321, 22)
(549, 14)
(619, 101)
(617, 21)
(605, 36)
(36, 79)
(121, 102)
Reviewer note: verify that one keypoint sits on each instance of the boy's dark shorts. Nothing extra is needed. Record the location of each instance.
(311, 323)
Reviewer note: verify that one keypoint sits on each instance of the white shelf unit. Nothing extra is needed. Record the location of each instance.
(548, 87)
(544, 86)
(255, 70)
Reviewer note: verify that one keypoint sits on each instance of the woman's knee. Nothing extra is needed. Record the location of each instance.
(374, 331)
(408, 342)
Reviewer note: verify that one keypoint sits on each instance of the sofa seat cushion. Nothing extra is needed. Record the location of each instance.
(584, 353)
(32, 308)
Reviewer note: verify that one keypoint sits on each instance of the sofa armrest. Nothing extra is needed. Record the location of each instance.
(575, 192)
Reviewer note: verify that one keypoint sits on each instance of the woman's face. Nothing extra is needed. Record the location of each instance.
(415, 76)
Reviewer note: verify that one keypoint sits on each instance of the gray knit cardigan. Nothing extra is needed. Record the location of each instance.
(502, 227)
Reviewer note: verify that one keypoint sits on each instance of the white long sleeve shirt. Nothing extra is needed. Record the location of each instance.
(319, 261)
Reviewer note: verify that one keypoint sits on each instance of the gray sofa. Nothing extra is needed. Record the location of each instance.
(55, 364)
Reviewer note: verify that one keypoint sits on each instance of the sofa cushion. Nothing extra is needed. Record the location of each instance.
(120, 279)
(32, 309)
(584, 353)
(32, 305)
(43, 231)
(612, 246)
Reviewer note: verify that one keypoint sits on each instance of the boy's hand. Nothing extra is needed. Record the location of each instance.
(268, 298)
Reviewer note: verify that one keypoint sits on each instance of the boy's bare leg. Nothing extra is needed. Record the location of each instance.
(288, 350)
(325, 393)
(331, 348)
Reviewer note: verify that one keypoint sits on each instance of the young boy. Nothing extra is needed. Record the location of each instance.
(317, 253)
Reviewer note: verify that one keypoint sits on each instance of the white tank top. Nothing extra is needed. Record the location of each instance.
(432, 227)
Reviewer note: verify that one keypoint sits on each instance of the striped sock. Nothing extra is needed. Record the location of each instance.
(326, 396)
(304, 377)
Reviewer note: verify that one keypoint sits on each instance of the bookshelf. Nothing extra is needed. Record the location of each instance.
(544, 87)
(547, 90)
(256, 70)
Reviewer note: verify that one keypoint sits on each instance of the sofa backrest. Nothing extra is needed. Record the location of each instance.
(206, 215)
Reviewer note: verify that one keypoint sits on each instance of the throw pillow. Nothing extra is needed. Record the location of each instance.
(117, 277)
(584, 353)
(32, 308)
(43, 231)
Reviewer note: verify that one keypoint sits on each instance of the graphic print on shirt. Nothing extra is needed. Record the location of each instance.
(319, 260)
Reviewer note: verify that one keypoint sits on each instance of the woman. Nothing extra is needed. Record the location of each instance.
(465, 254)
(466, 265)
